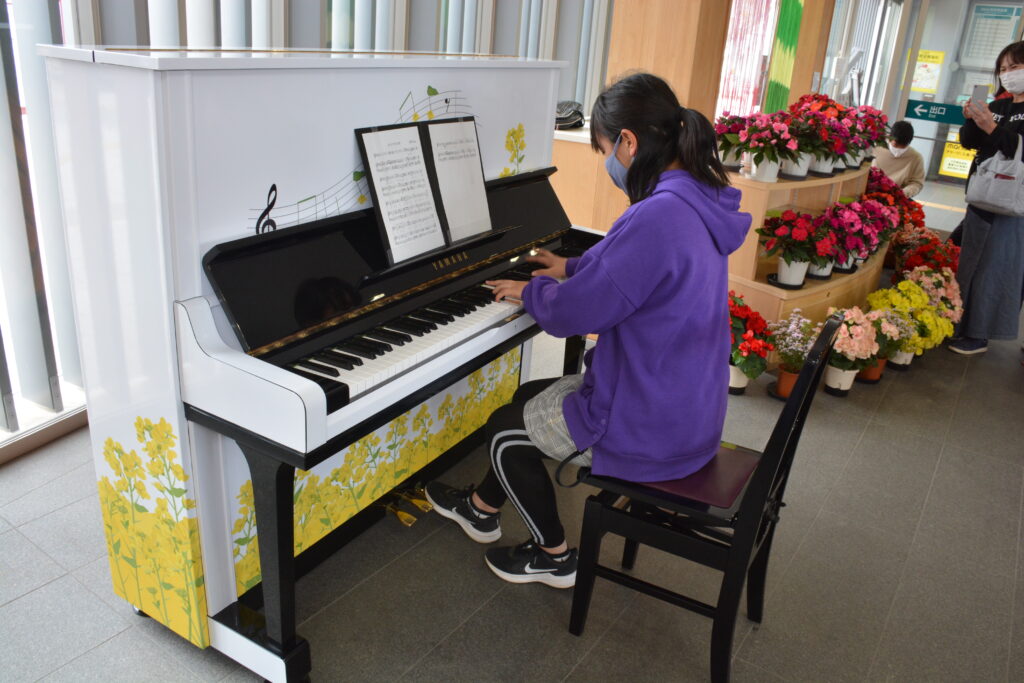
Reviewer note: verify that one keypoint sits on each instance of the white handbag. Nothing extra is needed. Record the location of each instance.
(998, 184)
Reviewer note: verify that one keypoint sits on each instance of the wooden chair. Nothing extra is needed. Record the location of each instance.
(722, 516)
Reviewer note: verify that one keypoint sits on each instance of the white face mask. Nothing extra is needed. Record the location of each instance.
(897, 151)
(1013, 81)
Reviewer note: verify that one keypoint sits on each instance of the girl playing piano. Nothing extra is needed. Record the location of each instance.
(651, 404)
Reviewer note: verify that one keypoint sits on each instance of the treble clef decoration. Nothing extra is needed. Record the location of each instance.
(265, 223)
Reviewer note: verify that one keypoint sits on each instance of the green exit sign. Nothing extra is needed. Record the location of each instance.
(935, 111)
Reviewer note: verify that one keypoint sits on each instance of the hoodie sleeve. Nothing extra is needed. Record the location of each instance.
(603, 291)
(588, 302)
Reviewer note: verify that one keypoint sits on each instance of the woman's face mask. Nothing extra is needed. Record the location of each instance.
(615, 168)
(897, 151)
(1013, 81)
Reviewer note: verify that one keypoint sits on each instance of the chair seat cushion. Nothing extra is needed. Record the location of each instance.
(718, 483)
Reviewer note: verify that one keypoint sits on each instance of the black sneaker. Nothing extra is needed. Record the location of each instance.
(454, 504)
(527, 563)
(969, 347)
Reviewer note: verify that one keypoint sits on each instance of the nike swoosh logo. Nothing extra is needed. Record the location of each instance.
(533, 570)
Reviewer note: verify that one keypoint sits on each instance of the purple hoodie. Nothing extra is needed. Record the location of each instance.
(653, 399)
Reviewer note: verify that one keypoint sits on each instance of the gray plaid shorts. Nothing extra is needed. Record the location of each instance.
(545, 421)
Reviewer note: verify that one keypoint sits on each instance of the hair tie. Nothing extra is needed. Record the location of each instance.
(680, 112)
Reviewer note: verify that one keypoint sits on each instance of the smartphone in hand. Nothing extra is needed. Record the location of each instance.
(980, 94)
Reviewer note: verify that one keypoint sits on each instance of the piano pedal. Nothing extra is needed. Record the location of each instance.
(404, 517)
(416, 497)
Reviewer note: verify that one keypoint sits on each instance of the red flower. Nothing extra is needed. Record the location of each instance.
(799, 234)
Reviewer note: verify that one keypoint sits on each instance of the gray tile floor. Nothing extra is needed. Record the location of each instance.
(944, 204)
(898, 558)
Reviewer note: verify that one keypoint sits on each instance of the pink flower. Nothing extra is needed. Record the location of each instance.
(791, 144)
(743, 135)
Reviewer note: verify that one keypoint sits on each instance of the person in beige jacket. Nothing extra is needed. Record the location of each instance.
(900, 161)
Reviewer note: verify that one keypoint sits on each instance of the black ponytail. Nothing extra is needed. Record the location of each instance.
(666, 133)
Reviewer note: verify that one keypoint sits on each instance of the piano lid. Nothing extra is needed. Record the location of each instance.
(278, 284)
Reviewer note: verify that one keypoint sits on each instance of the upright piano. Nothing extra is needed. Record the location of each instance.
(252, 392)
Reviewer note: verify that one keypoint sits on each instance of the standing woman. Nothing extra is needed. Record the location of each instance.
(991, 271)
(651, 404)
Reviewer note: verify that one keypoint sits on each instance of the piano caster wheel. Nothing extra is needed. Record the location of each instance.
(139, 613)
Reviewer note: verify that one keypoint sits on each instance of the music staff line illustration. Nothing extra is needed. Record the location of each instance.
(351, 190)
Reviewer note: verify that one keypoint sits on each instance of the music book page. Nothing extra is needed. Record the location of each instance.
(460, 177)
(404, 197)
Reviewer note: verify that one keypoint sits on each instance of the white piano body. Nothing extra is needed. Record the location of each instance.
(163, 155)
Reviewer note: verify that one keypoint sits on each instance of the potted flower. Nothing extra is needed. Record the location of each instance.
(791, 236)
(826, 247)
(942, 289)
(843, 219)
(930, 329)
(877, 222)
(768, 141)
(932, 253)
(749, 336)
(728, 128)
(852, 350)
(891, 329)
(868, 129)
(807, 141)
(793, 337)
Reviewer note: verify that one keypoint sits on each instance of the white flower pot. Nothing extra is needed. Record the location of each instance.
(839, 165)
(737, 381)
(796, 170)
(766, 171)
(846, 263)
(839, 381)
(792, 273)
(900, 360)
(733, 160)
(853, 161)
(821, 271)
(821, 166)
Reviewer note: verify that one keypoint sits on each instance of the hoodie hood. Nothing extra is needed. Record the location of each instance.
(718, 209)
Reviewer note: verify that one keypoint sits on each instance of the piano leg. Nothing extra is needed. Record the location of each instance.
(272, 488)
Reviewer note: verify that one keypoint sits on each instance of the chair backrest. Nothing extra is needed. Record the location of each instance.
(768, 480)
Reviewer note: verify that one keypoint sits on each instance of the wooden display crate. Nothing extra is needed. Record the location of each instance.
(749, 267)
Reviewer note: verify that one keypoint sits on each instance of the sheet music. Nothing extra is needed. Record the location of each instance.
(406, 203)
(460, 177)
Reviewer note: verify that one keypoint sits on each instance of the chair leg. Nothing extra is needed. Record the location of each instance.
(629, 551)
(590, 549)
(725, 623)
(756, 578)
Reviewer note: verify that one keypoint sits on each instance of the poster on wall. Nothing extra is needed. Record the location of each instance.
(928, 71)
(956, 160)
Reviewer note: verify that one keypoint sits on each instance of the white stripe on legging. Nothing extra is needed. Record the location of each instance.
(496, 462)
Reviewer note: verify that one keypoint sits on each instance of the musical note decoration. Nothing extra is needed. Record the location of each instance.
(352, 191)
(265, 223)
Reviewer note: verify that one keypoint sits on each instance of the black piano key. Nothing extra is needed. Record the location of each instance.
(390, 336)
(337, 392)
(381, 347)
(465, 302)
(430, 324)
(433, 316)
(357, 350)
(404, 326)
(459, 300)
(331, 360)
(476, 301)
(352, 360)
(307, 365)
(445, 307)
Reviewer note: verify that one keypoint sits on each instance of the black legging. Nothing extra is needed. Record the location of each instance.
(517, 469)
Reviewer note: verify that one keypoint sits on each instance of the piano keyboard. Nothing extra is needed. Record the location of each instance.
(350, 368)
